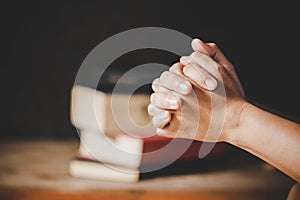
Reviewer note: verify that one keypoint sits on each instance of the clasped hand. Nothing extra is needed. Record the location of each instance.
(199, 98)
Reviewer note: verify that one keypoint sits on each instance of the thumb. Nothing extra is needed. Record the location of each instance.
(212, 50)
(199, 45)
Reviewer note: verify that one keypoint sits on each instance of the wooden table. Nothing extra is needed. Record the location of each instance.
(39, 170)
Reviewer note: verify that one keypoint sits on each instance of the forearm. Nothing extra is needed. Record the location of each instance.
(269, 137)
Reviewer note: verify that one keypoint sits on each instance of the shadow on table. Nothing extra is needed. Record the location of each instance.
(231, 158)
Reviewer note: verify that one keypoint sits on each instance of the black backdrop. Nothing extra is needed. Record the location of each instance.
(44, 43)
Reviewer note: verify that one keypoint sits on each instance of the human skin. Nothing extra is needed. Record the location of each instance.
(267, 136)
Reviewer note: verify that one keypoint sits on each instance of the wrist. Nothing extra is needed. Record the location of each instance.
(237, 119)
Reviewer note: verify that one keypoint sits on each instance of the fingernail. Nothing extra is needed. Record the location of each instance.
(173, 102)
(210, 84)
(184, 87)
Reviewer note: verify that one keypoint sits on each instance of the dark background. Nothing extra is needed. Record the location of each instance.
(44, 43)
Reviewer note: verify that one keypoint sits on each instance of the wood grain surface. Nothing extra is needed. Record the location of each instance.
(39, 170)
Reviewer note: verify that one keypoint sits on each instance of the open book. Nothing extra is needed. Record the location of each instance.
(110, 113)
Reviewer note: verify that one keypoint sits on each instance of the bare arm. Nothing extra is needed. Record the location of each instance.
(268, 136)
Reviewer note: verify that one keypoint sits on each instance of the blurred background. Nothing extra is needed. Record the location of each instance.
(45, 42)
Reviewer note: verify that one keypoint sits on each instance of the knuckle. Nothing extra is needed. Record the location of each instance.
(157, 121)
(150, 109)
(219, 67)
(167, 79)
(175, 65)
(159, 100)
(164, 75)
(155, 84)
(214, 45)
(156, 81)
(154, 122)
(195, 54)
(174, 68)
(152, 97)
